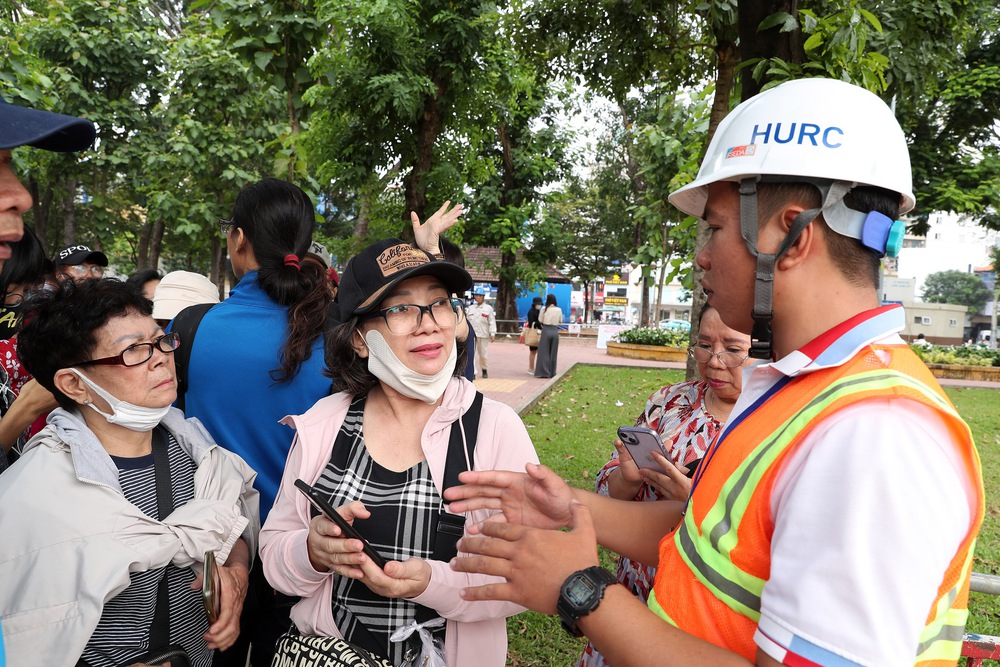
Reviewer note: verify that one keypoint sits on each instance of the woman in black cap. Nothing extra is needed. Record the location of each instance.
(382, 451)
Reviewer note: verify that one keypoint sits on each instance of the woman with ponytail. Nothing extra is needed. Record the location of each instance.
(258, 356)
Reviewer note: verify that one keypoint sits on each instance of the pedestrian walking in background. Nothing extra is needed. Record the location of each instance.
(548, 346)
(484, 323)
(536, 307)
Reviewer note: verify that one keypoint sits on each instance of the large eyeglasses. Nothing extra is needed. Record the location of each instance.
(405, 318)
(225, 226)
(728, 358)
(139, 353)
(83, 270)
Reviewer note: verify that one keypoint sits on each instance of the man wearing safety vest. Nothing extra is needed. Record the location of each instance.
(833, 521)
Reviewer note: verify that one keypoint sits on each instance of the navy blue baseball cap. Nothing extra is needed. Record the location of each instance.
(21, 126)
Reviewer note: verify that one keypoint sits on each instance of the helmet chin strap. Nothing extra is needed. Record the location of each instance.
(761, 338)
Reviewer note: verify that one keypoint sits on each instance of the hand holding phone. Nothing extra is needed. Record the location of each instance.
(640, 443)
(327, 510)
(211, 588)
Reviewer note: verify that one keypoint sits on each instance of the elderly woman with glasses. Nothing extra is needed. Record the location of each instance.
(114, 506)
(687, 416)
(381, 452)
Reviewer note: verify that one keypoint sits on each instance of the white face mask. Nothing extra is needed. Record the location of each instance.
(386, 366)
(132, 417)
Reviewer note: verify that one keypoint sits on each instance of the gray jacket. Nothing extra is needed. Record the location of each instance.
(70, 539)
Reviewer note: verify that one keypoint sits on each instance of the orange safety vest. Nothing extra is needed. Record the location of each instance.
(713, 566)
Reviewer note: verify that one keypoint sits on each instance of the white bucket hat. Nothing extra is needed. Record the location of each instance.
(180, 289)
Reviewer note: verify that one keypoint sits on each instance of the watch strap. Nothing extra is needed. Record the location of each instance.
(569, 612)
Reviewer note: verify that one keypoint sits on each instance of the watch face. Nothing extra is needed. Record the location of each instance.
(580, 591)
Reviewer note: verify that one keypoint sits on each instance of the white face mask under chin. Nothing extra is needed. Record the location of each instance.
(386, 366)
(124, 414)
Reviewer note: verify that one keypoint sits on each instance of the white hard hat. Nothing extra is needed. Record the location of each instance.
(808, 128)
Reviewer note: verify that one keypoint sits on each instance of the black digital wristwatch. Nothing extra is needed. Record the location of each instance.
(580, 594)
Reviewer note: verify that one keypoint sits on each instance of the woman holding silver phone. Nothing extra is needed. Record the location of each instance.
(687, 416)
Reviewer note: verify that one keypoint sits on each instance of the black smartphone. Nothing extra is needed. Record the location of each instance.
(641, 442)
(323, 505)
(211, 588)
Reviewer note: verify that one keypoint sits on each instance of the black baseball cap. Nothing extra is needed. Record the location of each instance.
(21, 126)
(80, 254)
(375, 270)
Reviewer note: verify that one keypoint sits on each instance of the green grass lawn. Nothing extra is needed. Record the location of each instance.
(573, 427)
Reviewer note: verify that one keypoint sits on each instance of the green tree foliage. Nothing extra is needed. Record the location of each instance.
(938, 63)
(957, 287)
(277, 38)
(595, 228)
(525, 153)
(396, 78)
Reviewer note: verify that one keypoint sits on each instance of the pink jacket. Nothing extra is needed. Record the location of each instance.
(477, 633)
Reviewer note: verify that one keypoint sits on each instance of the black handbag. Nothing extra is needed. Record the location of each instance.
(177, 656)
(295, 650)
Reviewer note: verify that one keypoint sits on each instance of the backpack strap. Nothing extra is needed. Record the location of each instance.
(186, 324)
(159, 631)
(451, 526)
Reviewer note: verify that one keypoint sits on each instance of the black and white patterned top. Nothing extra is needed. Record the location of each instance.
(122, 635)
(403, 507)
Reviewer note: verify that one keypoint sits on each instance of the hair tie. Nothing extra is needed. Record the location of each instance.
(292, 260)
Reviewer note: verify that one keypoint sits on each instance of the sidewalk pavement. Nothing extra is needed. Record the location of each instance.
(510, 383)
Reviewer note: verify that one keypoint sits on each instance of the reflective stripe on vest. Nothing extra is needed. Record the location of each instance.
(708, 558)
(725, 578)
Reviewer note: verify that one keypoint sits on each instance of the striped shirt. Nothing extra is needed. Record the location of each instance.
(403, 506)
(122, 635)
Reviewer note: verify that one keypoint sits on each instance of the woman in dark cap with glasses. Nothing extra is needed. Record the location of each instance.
(380, 452)
(113, 506)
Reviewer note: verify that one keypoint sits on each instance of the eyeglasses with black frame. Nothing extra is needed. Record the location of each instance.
(225, 226)
(728, 358)
(138, 353)
(405, 318)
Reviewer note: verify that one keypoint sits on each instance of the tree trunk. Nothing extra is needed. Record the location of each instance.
(156, 244)
(69, 213)
(428, 127)
(506, 310)
(142, 252)
(218, 264)
(42, 202)
(586, 301)
(364, 215)
(770, 43)
(728, 58)
(294, 126)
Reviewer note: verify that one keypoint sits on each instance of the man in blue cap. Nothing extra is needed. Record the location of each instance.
(21, 126)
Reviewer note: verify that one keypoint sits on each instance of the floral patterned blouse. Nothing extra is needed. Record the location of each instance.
(16, 374)
(678, 413)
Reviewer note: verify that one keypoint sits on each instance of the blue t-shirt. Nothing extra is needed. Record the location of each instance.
(230, 389)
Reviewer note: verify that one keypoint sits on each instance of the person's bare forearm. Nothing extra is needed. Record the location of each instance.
(621, 488)
(630, 635)
(240, 555)
(631, 529)
(32, 402)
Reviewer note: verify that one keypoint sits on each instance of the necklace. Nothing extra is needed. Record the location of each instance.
(721, 411)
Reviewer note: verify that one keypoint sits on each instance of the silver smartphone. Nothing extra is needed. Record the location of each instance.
(641, 442)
